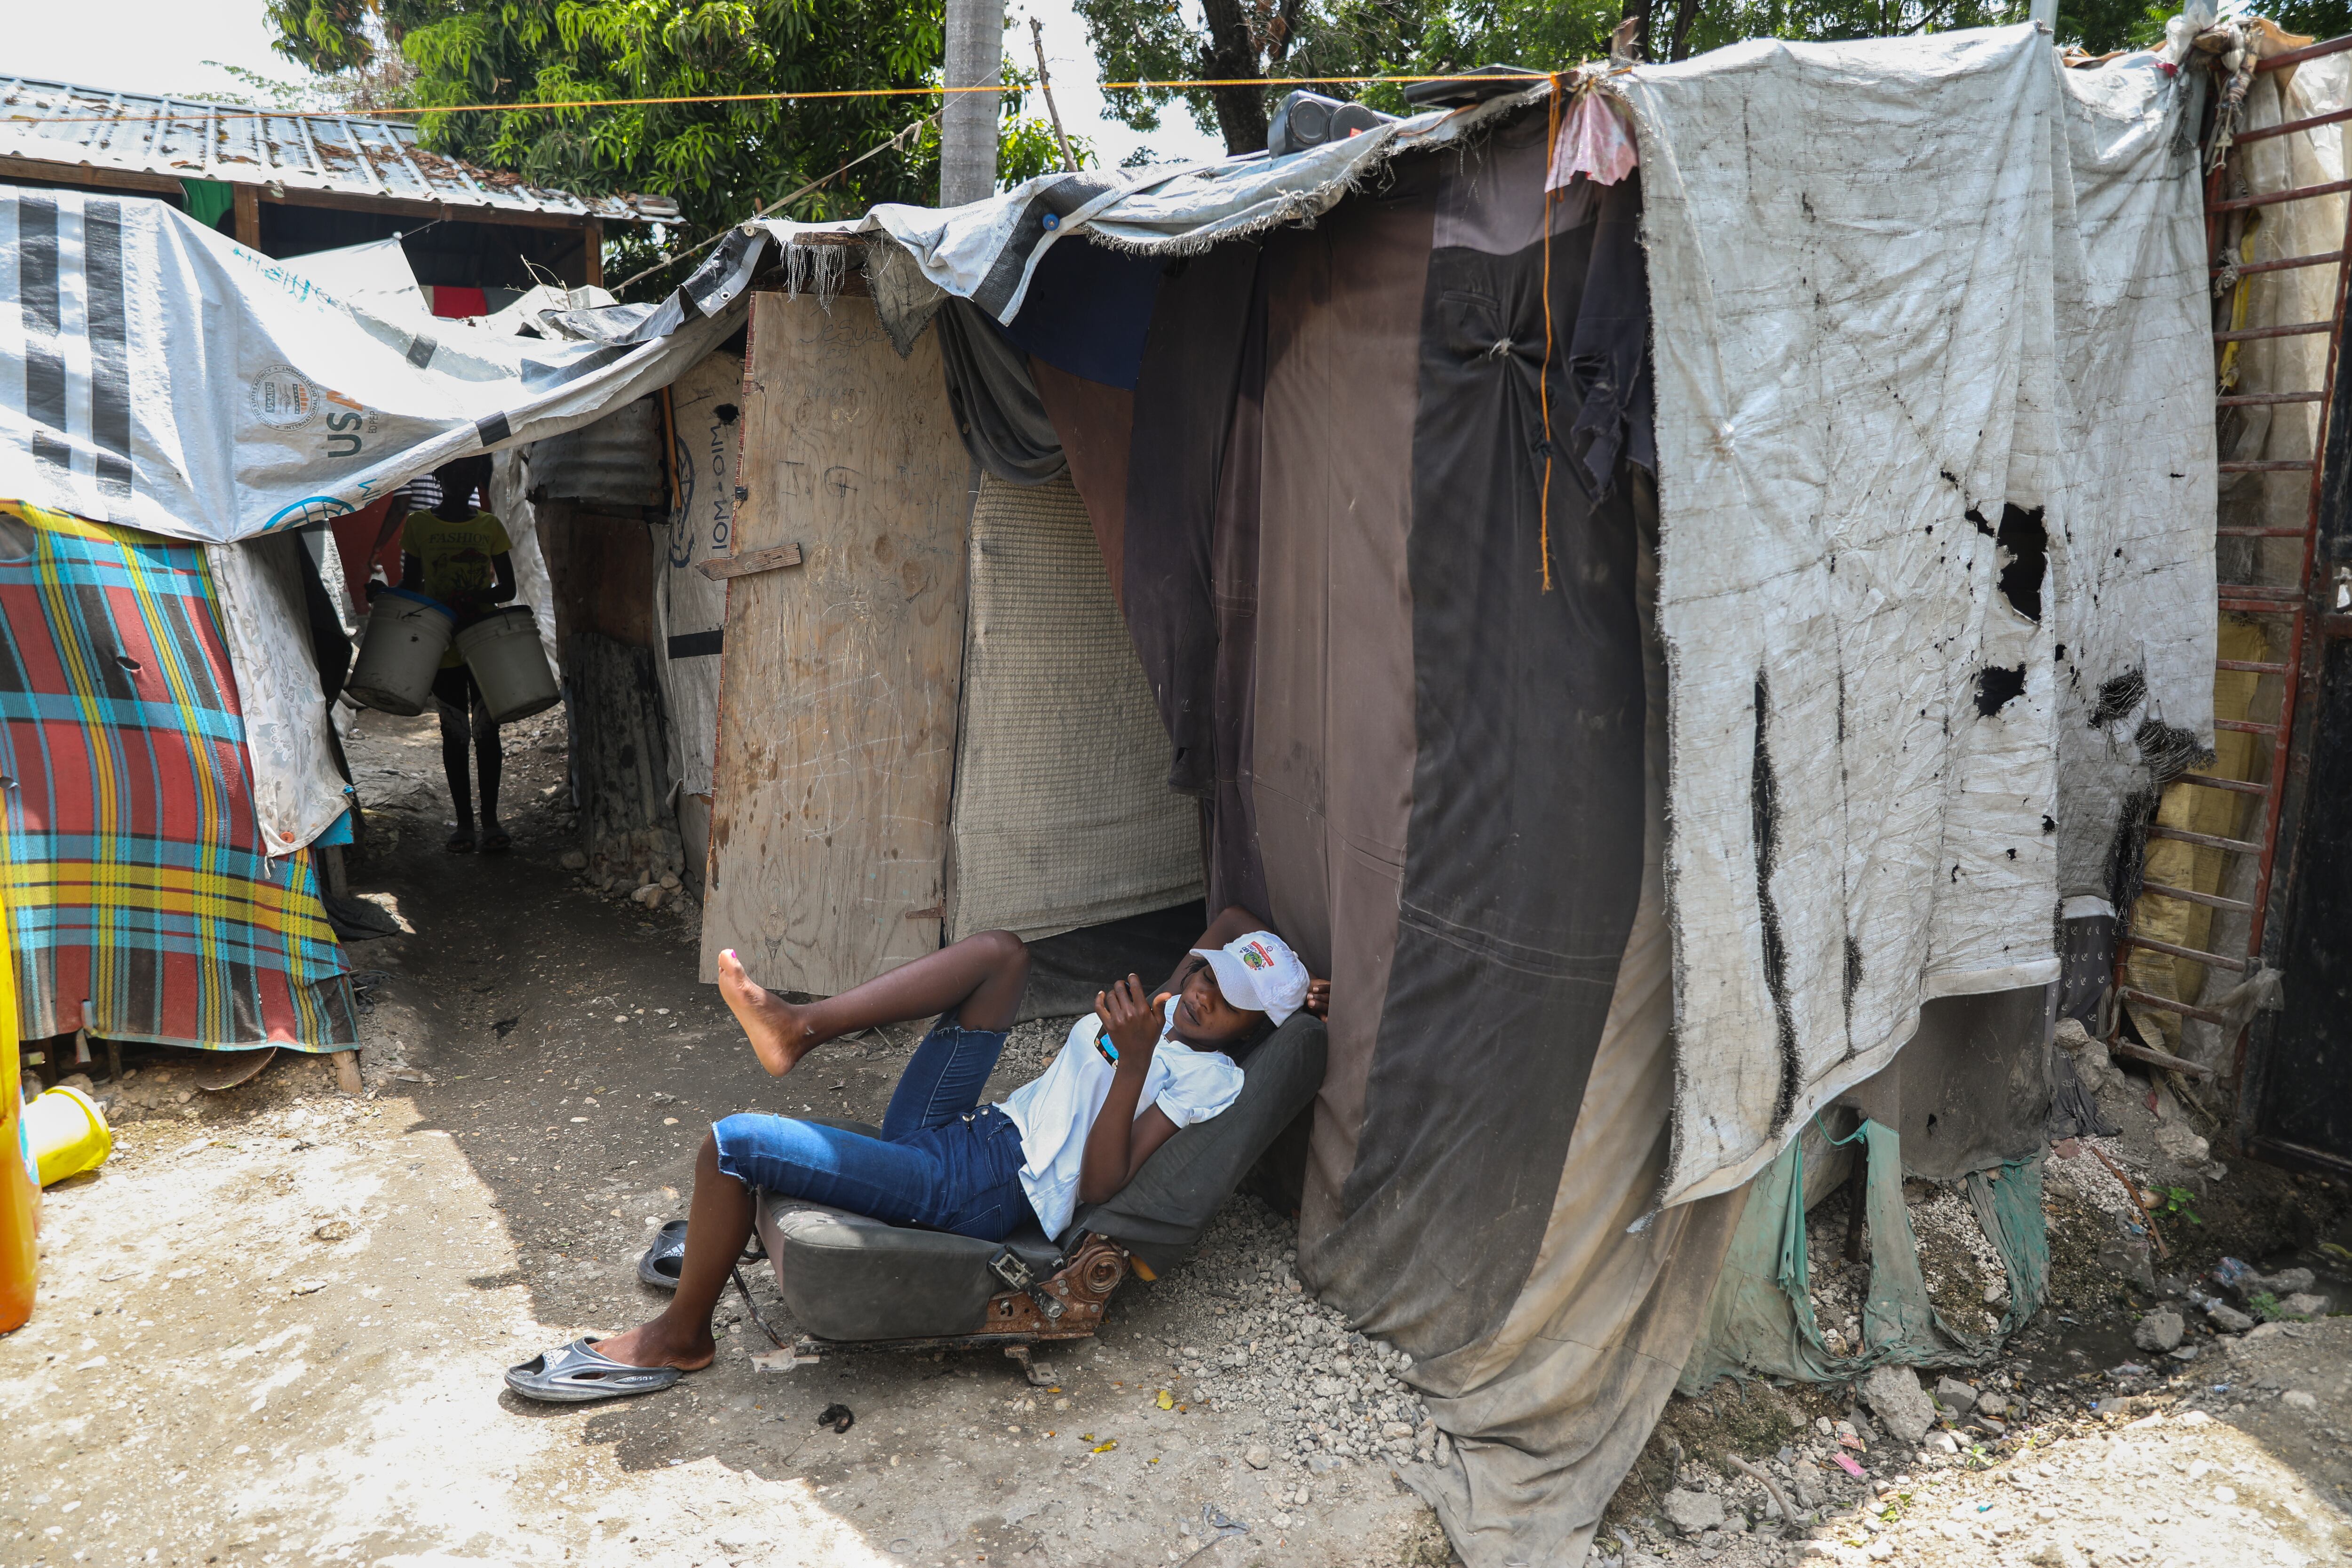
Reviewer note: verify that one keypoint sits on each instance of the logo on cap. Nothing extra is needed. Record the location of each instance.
(1257, 957)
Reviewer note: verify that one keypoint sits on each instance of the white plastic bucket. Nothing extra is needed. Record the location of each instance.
(510, 665)
(407, 636)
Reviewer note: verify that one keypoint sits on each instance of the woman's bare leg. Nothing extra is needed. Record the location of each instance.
(980, 979)
(718, 1222)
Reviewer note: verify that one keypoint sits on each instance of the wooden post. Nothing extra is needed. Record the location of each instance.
(248, 200)
(591, 249)
(669, 451)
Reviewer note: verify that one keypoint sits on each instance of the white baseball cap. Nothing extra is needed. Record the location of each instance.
(1258, 972)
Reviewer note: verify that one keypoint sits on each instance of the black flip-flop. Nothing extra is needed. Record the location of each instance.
(497, 841)
(458, 844)
(663, 1261)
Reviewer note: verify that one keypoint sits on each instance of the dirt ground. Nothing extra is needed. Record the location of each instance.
(271, 1329)
(2224, 1441)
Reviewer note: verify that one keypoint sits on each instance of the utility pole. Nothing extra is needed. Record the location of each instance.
(967, 124)
(1046, 86)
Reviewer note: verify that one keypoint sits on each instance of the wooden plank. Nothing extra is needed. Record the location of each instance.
(839, 682)
(2155, 1058)
(246, 202)
(718, 568)
(87, 175)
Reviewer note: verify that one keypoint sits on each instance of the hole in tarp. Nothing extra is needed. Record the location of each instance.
(2024, 555)
(728, 413)
(129, 663)
(1998, 686)
(2118, 695)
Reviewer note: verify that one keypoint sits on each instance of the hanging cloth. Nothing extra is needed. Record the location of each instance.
(1760, 1319)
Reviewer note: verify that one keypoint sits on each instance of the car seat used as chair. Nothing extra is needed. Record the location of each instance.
(853, 1281)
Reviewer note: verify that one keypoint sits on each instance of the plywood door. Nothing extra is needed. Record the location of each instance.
(839, 681)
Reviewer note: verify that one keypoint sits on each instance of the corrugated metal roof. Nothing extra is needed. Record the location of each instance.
(57, 123)
(616, 462)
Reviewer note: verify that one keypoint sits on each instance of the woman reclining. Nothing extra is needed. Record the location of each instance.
(1131, 1073)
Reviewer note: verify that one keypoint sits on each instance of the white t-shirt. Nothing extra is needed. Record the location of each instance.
(1056, 1111)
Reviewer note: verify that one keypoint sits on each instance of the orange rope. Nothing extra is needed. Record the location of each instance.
(1551, 150)
(198, 109)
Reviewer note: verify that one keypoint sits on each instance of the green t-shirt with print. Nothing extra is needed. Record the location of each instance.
(458, 558)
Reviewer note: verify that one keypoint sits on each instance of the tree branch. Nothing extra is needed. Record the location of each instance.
(1229, 54)
(1686, 13)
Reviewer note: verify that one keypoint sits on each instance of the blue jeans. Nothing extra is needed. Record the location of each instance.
(944, 1161)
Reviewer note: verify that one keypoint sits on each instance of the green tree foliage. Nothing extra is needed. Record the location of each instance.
(719, 162)
(1146, 40)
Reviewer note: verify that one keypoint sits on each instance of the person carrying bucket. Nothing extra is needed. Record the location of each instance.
(459, 555)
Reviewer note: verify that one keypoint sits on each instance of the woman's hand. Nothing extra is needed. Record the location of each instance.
(1130, 1020)
(1318, 998)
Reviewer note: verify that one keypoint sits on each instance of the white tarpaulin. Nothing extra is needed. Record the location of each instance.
(690, 609)
(298, 792)
(174, 381)
(1917, 305)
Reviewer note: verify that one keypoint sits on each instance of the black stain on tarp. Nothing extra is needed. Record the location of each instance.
(1764, 804)
(1998, 686)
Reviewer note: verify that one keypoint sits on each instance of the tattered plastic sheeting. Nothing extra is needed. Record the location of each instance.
(375, 275)
(298, 791)
(511, 503)
(690, 609)
(1920, 304)
(987, 251)
(160, 376)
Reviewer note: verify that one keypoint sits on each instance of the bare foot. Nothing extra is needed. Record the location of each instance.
(779, 1035)
(648, 1344)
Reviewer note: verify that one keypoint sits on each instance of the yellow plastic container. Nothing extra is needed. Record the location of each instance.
(67, 1134)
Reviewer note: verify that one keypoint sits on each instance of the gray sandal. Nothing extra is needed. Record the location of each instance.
(578, 1373)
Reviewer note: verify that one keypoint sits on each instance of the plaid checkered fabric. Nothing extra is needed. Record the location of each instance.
(135, 879)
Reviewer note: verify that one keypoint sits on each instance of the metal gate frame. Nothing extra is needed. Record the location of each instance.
(2305, 603)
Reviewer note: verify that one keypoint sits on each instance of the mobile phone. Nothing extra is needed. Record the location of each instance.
(1102, 1042)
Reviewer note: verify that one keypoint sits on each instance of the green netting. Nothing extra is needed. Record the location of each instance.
(1760, 1318)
